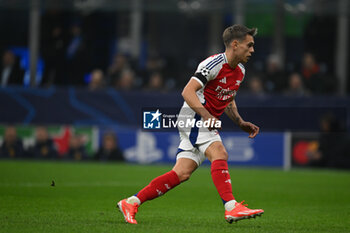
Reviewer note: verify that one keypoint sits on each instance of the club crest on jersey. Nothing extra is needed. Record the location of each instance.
(223, 80)
(224, 93)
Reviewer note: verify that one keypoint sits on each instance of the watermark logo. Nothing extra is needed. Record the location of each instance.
(152, 119)
(158, 120)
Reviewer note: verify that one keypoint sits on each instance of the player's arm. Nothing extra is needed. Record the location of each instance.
(232, 112)
(191, 98)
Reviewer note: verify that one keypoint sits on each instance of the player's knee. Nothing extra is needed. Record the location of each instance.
(219, 153)
(220, 156)
(224, 155)
(183, 176)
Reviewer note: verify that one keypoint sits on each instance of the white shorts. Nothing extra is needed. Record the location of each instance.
(194, 141)
(197, 153)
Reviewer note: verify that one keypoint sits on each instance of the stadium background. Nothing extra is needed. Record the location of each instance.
(97, 64)
(83, 69)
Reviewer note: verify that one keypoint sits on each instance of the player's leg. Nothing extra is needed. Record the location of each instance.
(181, 172)
(162, 184)
(217, 155)
(234, 211)
(184, 168)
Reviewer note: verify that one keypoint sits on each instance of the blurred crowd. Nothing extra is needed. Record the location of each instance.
(46, 147)
(309, 79)
(59, 71)
(122, 75)
(83, 51)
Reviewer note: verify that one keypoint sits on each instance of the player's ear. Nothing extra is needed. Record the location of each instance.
(234, 44)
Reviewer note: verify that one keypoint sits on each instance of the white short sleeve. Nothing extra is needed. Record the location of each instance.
(209, 68)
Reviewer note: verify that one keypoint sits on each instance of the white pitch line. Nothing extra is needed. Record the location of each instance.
(71, 184)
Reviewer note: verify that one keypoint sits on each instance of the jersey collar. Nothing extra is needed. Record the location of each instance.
(225, 58)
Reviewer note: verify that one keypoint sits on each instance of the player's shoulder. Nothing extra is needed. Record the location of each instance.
(213, 61)
(241, 67)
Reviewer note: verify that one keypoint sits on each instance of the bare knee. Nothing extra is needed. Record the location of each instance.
(184, 168)
(216, 151)
(222, 156)
(184, 176)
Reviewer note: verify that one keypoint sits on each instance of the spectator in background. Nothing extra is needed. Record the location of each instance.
(10, 71)
(309, 66)
(155, 82)
(110, 149)
(76, 148)
(119, 65)
(97, 81)
(319, 31)
(312, 74)
(44, 147)
(12, 146)
(255, 86)
(54, 56)
(154, 64)
(77, 56)
(274, 76)
(126, 81)
(296, 87)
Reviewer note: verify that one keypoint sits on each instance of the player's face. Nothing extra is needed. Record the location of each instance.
(245, 49)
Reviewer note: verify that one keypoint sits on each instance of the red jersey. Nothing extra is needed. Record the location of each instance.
(219, 82)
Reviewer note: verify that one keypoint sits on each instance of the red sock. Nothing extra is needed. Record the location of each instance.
(159, 186)
(222, 180)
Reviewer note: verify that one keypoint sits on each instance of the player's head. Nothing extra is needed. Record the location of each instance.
(240, 40)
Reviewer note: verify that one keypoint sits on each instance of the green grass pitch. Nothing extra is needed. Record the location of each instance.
(85, 195)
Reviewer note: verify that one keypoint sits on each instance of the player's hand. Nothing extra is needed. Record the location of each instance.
(250, 128)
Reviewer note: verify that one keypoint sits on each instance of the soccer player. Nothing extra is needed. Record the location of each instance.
(209, 93)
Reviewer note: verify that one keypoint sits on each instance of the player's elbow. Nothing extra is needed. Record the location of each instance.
(184, 93)
(188, 93)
